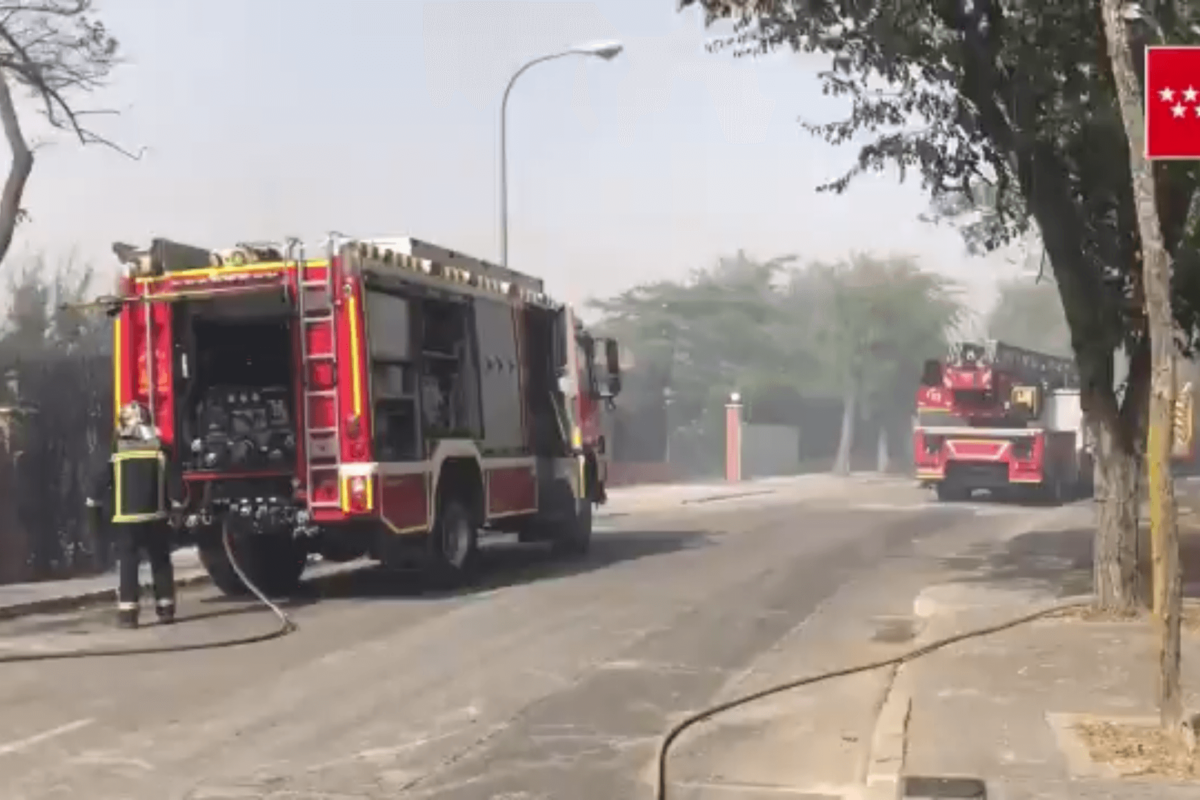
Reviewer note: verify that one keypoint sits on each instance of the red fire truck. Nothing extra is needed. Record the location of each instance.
(997, 417)
(391, 399)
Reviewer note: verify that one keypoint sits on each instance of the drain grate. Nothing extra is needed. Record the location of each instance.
(926, 788)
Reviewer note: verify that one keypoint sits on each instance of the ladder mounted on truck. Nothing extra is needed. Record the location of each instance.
(1025, 366)
(424, 251)
(315, 304)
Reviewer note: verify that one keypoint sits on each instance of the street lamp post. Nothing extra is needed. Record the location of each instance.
(605, 50)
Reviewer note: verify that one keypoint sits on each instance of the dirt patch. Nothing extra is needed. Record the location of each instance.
(1137, 751)
(1189, 623)
(1090, 614)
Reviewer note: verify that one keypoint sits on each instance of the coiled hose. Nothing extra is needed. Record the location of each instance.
(285, 626)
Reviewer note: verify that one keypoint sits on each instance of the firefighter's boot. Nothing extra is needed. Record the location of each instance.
(127, 618)
(166, 612)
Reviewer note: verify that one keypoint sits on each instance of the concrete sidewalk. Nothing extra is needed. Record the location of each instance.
(19, 599)
(1055, 709)
(665, 496)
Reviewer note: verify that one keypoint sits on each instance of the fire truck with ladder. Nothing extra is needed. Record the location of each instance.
(1002, 418)
(390, 398)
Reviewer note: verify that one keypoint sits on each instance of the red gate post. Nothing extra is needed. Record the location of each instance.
(733, 438)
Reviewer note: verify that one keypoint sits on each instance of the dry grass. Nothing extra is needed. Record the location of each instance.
(1190, 621)
(1137, 751)
(1089, 614)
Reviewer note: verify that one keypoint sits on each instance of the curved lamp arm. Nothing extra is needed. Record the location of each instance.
(607, 51)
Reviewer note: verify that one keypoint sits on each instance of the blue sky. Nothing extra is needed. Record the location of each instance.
(265, 118)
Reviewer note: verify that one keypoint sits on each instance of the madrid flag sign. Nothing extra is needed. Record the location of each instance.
(1172, 103)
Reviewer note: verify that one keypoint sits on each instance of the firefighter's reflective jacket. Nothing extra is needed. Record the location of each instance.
(134, 481)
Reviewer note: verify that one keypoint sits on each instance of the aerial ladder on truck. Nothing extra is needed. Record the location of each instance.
(1001, 418)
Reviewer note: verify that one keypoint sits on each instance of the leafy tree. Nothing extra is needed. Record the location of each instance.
(1156, 283)
(706, 336)
(1015, 105)
(1028, 313)
(872, 322)
(43, 314)
(54, 51)
(57, 392)
(856, 331)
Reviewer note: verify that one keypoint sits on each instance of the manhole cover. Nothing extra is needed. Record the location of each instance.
(925, 788)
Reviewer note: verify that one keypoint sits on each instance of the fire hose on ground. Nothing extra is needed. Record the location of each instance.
(660, 787)
(285, 627)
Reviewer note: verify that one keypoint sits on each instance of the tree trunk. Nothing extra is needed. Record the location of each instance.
(1115, 562)
(18, 171)
(841, 464)
(1156, 280)
(882, 460)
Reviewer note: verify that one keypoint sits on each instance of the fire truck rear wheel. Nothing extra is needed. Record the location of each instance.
(273, 563)
(575, 536)
(1055, 492)
(454, 543)
(951, 492)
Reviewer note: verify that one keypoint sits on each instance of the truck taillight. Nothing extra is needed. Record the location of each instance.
(358, 493)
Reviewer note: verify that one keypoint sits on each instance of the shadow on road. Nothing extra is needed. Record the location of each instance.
(1056, 561)
(501, 564)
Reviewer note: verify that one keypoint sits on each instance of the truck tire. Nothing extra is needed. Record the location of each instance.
(453, 545)
(1056, 491)
(951, 493)
(274, 563)
(216, 564)
(574, 536)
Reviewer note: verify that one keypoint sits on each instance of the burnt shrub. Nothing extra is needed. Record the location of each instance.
(55, 422)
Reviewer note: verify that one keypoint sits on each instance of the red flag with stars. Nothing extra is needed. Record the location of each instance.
(1172, 102)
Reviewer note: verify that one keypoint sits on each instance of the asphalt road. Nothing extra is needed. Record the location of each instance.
(548, 680)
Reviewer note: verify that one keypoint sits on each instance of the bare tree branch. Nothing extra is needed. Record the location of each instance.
(55, 50)
(18, 171)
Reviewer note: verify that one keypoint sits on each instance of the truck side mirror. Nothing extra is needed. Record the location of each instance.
(612, 368)
(612, 357)
(932, 374)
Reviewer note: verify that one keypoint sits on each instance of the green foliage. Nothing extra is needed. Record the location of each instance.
(873, 321)
(1005, 111)
(1028, 313)
(56, 375)
(708, 334)
(42, 314)
(779, 332)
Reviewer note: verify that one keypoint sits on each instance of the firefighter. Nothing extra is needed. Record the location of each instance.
(133, 485)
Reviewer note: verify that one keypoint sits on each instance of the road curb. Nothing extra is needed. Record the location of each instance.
(889, 740)
(712, 498)
(84, 600)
